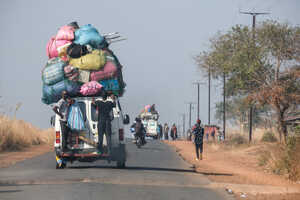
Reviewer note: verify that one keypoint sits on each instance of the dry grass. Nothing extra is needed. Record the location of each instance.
(15, 135)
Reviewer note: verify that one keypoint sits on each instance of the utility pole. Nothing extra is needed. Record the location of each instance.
(190, 113)
(224, 104)
(198, 102)
(209, 95)
(254, 14)
(183, 124)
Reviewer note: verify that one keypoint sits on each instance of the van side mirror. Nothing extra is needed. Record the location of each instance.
(52, 120)
(126, 119)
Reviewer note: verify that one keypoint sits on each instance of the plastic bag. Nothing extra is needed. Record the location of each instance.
(52, 46)
(90, 61)
(90, 88)
(65, 33)
(53, 72)
(88, 34)
(71, 73)
(108, 71)
(75, 118)
(52, 93)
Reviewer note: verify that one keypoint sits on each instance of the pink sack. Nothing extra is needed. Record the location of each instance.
(108, 71)
(90, 88)
(65, 33)
(52, 46)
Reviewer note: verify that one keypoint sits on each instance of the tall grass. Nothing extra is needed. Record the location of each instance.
(16, 135)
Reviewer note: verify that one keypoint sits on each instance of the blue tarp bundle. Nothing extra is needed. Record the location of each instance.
(52, 93)
(75, 118)
(53, 71)
(88, 34)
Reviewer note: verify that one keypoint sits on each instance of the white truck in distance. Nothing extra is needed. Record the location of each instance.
(150, 123)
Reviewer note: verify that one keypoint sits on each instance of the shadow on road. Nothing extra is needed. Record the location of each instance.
(10, 191)
(214, 174)
(155, 149)
(137, 168)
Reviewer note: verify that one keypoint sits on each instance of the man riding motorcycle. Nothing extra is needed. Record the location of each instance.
(139, 130)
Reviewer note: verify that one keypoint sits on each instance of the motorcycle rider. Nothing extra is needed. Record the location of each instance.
(139, 130)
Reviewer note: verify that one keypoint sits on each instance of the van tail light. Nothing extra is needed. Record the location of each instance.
(121, 134)
(57, 137)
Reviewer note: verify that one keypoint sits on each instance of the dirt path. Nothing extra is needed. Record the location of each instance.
(10, 158)
(238, 170)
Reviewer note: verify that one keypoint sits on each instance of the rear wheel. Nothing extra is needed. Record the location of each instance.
(121, 164)
(139, 142)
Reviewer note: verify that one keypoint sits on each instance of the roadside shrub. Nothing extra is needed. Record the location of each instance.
(268, 137)
(288, 161)
(263, 159)
(236, 139)
(16, 135)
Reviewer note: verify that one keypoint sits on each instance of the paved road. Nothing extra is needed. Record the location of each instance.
(153, 172)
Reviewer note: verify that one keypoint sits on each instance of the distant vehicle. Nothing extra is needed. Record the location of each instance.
(150, 123)
(83, 144)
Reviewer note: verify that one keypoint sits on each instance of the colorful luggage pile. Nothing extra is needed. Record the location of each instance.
(148, 109)
(149, 112)
(81, 63)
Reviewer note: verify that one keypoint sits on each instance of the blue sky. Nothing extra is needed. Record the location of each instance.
(163, 37)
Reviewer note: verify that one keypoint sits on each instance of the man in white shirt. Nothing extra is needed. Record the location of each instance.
(61, 108)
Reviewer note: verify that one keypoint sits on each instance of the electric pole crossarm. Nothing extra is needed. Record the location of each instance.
(255, 13)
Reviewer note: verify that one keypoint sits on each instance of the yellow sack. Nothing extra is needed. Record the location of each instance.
(91, 61)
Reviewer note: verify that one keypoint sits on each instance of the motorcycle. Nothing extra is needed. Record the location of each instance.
(139, 141)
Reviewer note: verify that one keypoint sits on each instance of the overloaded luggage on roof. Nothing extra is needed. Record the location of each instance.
(149, 112)
(81, 63)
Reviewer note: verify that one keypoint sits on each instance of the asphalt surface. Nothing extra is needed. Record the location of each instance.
(152, 172)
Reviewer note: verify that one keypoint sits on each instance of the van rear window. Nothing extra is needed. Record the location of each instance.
(94, 113)
(83, 109)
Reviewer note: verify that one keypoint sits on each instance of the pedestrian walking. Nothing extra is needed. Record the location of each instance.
(213, 133)
(198, 132)
(166, 131)
(159, 131)
(173, 132)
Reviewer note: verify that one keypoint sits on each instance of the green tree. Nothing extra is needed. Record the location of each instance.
(237, 112)
(265, 70)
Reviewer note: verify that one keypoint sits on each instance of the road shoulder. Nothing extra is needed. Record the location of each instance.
(237, 173)
(8, 159)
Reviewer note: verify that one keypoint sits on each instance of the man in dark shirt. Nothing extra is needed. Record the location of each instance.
(198, 131)
(104, 107)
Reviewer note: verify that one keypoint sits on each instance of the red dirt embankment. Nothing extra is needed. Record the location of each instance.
(238, 170)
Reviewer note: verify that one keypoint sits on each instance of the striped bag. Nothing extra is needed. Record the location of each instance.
(75, 118)
(53, 72)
